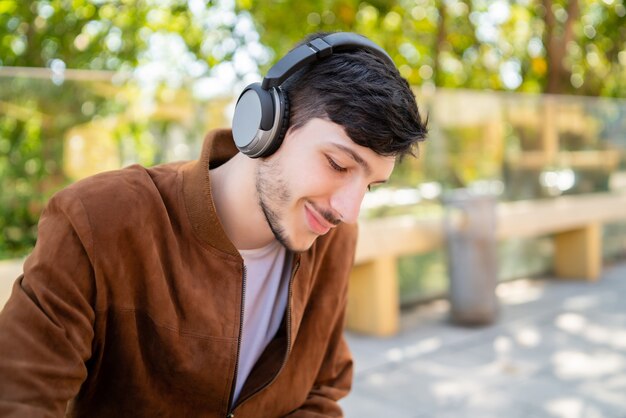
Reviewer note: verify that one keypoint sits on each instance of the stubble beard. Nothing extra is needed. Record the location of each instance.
(273, 194)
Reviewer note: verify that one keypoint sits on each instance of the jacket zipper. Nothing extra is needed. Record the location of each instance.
(234, 385)
(282, 366)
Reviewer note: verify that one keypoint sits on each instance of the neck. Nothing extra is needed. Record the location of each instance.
(235, 198)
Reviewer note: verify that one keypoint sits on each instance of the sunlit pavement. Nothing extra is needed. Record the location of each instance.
(558, 349)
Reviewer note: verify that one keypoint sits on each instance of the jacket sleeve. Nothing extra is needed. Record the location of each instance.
(334, 379)
(46, 327)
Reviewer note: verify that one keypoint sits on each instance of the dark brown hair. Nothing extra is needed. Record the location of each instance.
(361, 92)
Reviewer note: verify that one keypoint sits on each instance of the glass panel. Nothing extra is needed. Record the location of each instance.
(422, 276)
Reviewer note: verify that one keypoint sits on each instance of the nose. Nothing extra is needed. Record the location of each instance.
(347, 200)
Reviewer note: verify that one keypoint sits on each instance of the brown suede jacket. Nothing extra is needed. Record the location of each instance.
(131, 306)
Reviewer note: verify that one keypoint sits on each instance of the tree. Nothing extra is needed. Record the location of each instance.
(556, 46)
(551, 46)
(167, 44)
(556, 39)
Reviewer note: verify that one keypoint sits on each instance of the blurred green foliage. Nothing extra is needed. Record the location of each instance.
(36, 114)
(478, 44)
(90, 34)
(22, 171)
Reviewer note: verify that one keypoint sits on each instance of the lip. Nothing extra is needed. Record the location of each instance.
(316, 223)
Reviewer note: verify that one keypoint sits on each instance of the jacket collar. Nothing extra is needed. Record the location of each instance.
(218, 148)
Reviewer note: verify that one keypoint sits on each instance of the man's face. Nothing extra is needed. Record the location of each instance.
(316, 180)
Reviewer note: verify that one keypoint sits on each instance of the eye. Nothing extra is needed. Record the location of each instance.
(335, 166)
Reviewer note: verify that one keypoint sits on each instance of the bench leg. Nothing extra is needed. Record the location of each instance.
(578, 253)
(373, 300)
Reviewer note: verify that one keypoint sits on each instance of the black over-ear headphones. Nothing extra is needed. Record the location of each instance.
(261, 115)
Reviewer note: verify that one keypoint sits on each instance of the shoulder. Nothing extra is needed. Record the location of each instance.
(120, 196)
(131, 182)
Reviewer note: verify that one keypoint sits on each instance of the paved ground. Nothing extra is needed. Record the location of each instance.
(557, 350)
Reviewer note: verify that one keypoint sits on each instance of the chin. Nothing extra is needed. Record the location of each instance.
(295, 239)
(301, 245)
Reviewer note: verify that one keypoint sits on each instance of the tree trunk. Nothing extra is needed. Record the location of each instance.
(439, 44)
(556, 39)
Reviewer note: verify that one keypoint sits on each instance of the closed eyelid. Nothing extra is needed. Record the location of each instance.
(354, 156)
(335, 164)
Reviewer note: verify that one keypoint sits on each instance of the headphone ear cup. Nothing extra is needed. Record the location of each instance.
(253, 120)
(283, 123)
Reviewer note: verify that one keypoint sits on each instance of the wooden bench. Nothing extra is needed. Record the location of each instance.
(575, 222)
(373, 302)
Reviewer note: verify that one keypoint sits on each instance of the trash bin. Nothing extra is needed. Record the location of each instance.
(470, 228)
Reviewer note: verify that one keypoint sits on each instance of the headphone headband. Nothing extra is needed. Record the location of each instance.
(315, 50)
(261, 116)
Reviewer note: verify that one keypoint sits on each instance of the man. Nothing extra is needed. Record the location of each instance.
(216, 287)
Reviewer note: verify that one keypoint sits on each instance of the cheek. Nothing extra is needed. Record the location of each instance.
(308, 177)
(321, 183)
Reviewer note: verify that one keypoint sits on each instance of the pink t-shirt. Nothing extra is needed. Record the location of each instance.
(266, 286)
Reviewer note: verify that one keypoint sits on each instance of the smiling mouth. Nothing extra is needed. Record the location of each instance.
(316, 222)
